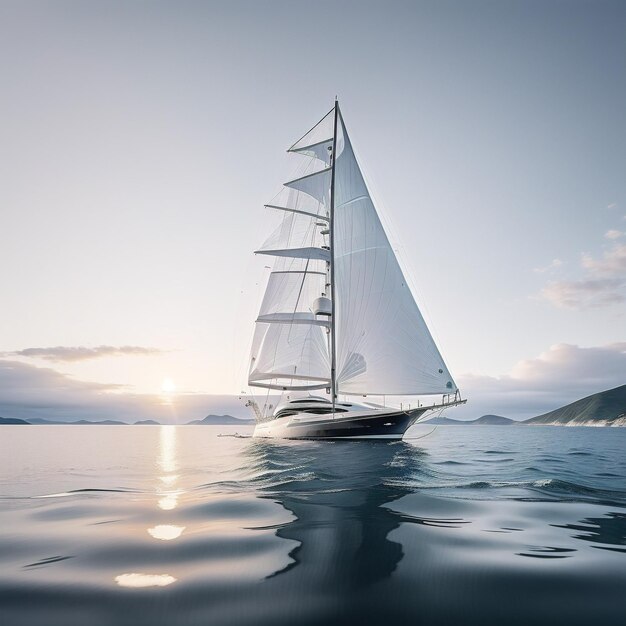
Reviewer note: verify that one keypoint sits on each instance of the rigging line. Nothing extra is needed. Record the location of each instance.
(306, 267)
(423, 436)
(265, 407)
(298, 172)
(310, 129)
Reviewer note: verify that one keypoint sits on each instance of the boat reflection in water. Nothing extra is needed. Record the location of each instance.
(361, 507)
(337, 493)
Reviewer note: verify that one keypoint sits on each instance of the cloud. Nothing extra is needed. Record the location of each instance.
(554, 264)
(613, 234)
(612, 205)
(30, 392)
(81, 353)
(612, 263)
(560, 375)
(602, 285)
(556, 377)
(584, 294)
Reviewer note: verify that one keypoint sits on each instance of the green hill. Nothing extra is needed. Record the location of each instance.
(607, 408)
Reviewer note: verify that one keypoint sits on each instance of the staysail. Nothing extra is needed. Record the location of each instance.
(381, 344)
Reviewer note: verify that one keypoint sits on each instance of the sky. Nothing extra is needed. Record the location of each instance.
(139, 141)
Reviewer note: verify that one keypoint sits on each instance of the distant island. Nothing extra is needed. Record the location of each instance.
(209, 420)
(222, 420)
(485, 420)
(43, 422)
(606, 408)
(12, 420)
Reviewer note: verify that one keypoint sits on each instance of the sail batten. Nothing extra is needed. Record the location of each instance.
(299, 211)
(289, 386)
(292, 318)
(298, 253)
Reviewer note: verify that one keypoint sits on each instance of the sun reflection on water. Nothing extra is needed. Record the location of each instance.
(135, 580)
(167, 494)
(166, 532)
(167, 462)
(167, 448)
(169, 501)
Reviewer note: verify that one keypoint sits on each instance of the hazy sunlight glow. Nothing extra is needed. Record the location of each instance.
(167, 386)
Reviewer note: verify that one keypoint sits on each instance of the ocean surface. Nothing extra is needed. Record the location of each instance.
(103, 525)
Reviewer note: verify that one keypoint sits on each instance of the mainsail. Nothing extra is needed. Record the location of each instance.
(376, 340)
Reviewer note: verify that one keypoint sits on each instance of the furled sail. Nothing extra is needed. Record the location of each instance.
(383, 344)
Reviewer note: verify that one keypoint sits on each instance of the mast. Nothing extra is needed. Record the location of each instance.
(331, 228)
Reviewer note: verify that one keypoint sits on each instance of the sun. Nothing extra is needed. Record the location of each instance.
(167, 386)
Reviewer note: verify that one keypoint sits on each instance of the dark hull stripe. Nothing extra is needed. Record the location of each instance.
(387, 426)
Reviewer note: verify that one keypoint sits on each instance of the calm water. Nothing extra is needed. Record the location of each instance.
(178, 525)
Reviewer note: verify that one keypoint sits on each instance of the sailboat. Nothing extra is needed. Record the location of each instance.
(338, 317)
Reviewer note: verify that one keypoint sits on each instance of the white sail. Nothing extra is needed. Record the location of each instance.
(316, 185)
(293, 200)
(289, 296)
(289, 356)
(383, 344)
(290, 347)
(318, 141)
(298, 235)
